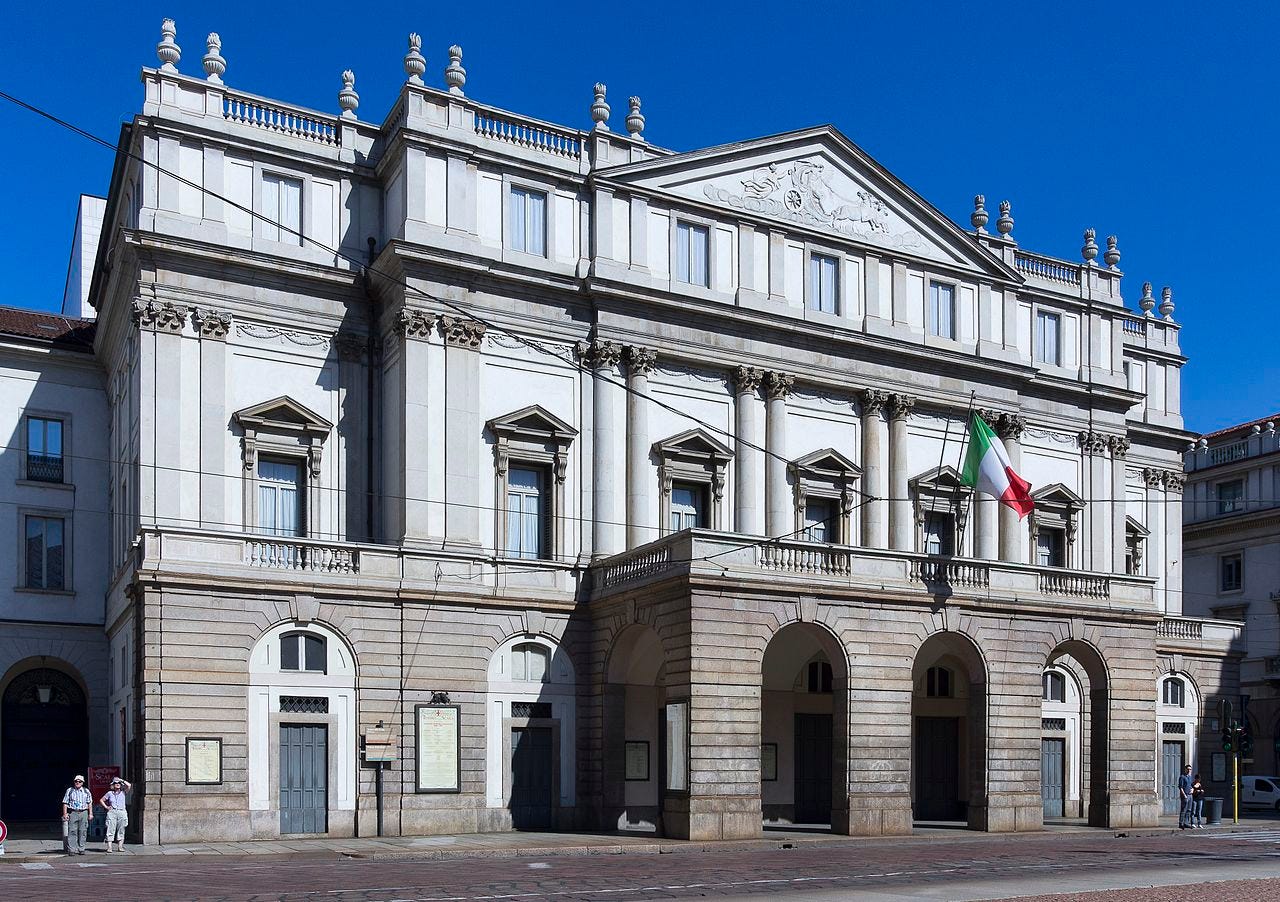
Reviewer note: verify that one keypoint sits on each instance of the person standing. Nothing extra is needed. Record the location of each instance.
(1185, 784)
(117, 814)
(76, 802)
(1197, 802)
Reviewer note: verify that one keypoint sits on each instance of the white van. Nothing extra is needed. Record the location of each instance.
(1260, 792)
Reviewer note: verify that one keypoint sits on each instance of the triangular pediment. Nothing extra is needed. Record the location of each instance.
(694, 442)
(816, 180)
(282, 413)
(827, 460)
(1133, 526)
(1057, 493)
(532, 420)
(945, 478)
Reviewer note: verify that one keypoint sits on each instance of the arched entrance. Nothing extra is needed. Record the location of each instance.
(634, 694)
(804, 728)
(1082, 742)
(949, 731)
(44, 730)
(1177, 714)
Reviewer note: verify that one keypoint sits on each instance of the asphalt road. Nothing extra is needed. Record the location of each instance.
(969, 867)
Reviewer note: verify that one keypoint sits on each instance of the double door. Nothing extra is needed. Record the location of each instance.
(304, 778)
(1171, 762)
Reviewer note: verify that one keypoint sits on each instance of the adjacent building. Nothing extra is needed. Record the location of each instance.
(554, 479)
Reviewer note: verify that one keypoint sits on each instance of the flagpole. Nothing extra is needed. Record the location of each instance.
(942, 456)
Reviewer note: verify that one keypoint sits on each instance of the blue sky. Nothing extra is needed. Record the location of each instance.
(1152, 121)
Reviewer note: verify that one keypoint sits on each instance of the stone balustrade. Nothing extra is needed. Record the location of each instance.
(1200, 634)
(280, 119)
(1049, 269)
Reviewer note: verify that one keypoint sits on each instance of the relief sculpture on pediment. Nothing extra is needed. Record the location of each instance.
(801, 191)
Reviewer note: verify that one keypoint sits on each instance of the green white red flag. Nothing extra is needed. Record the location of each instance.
(987, 469)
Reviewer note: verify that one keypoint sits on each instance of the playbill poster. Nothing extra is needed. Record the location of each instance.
(438, 748)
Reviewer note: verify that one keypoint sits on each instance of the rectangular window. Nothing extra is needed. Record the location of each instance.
(820, 520)
(281, 209)
(44, 449)
(824, 283)
(1051, 548)
(942, 310)
(529, 221)
(939, 533)
(688, 506)
(280, 497)
(1047, 337)
(526, 513)
(45, 553)
(1232, 572)
(1231, 496)
(691, 254)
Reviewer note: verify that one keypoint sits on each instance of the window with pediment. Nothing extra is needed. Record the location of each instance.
(692, 468)
(942, 504)
(1055, 523)
(282, 448)
(1135, 537)
(531, 461)
(825, 486)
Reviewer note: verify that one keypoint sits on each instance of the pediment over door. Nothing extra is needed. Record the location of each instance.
(819, 180)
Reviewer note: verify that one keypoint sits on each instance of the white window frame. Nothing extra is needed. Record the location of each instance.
(1056, 507)
(931, 313)
(267, 229)
(513, 546)
(814, 296)
(689, 224)
(524, 193)
(301, 636)
(519, 658)
(300, 435)
(941, 490)
(949, 519)
(300, 495)
(1038, 344)
(1173, 692)
(68, 535)
(1051, 681)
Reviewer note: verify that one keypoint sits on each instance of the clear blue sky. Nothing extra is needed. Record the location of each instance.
(1154, 121)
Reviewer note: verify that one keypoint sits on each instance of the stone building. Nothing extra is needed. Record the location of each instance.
(1232, 544)
(602, 486)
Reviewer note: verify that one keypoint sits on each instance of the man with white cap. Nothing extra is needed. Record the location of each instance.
(117, 814)
(76, 802)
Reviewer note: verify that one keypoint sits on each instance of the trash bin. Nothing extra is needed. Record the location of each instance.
(1212, 810)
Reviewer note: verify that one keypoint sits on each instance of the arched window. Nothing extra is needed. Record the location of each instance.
(1175, 692)
(304, 652)
(530, 663)
(819, 677)
(938, 683)
(1055, 687)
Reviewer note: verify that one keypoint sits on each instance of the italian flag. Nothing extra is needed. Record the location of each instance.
(987, 469)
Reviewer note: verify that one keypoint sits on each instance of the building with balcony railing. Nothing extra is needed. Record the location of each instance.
(1231, 528)
(614, 487)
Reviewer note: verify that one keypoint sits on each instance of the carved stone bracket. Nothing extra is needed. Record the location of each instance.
(641, 361)
(1168, 480)
(1094, 443)
(747, 380)
(778, 385)
(1119, 446)
(159, 316)
(900, 406)
(874, 400)
(1011, 426)
(599, 354)
(417, 324)
(210, 323)
(462, 333)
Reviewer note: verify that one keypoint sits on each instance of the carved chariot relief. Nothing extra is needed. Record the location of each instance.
(801, 191)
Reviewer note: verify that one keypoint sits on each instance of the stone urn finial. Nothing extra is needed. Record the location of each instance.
(1112, 255)
(1090, 249)
(1166, 302)
(167, 50)
(635, 119)
(600, 110)
(414, 62)
(1146, 303)
(1004, 225)
(214, 64)
(454, 75)
(979, 217)
(348, 99)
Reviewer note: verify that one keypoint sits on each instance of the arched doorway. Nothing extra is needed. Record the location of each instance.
(949, 732)
(1083, 742)
(634, 694)
(44, 729)
(804, 728)
(1177, 714)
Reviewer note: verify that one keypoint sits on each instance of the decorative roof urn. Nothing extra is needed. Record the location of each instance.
(348, 99)
(600, 110)
(214, 64)
(635, 119)
(167, 50)
(1090, 249)
(454, 75)
(1004, 225)
(979, 217)
(1166, 302)
(1146, 303)
(1112, 255)
(414, 62)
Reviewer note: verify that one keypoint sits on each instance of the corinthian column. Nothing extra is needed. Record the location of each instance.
(778, 511)
(749, 503)
(875, 466)
(640, 478)
(986, 513)
(462, 338)
(900, 525)
(602, 357)
(1119, 533)
(1098, 538)
(1013, 532)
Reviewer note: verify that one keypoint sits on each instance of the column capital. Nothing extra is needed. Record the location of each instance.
(462, 333)
(350, 347)
(1094, 443)
(641, 361)
(778, 385)
(210, 323)
(900, 406)
(874, 400)
(746, 380)
(599, 354)
(988, 416)
(413, 323)
(1119, 446)
(1153, 478)
(1011, 426)
(160, 316)
(1168, 480)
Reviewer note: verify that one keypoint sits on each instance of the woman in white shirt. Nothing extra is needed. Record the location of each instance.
(117, 814)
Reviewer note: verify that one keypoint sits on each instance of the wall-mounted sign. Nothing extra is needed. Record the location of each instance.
(637, 759)
(676, 719)
(769, 761)
(439, 748)
(380, 744)
(204, 760)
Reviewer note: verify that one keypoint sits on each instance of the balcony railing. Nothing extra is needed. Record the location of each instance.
(1047, 268)
(648, 561)
(1078, 585)
(44, 467)
(804, 558)
(279, 119)
(1180, 628)
(955, 574)
(528, 133)
(282, 554)
(1225, 454)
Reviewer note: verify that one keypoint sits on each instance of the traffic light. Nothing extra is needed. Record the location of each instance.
(1246, 743)
(1228, 740)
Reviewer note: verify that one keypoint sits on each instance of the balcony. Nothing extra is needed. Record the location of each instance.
(44, 467)
(866, 571)
(1200, 634)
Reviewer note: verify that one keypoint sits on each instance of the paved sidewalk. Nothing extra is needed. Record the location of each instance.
(512, 845)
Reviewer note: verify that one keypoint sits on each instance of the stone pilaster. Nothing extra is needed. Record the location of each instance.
(641, 481)
(212, 327)
(351, 438)
(901, 527)
(749, 501)
(986, 513)
(1174, 483)
(161, 324)
(410, 422)
(1156, 553)
(1119, 534)
(1013, 531)
(602, 358)
(875, 466)
(779, 517)
(1097, 540)
(462, 339)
